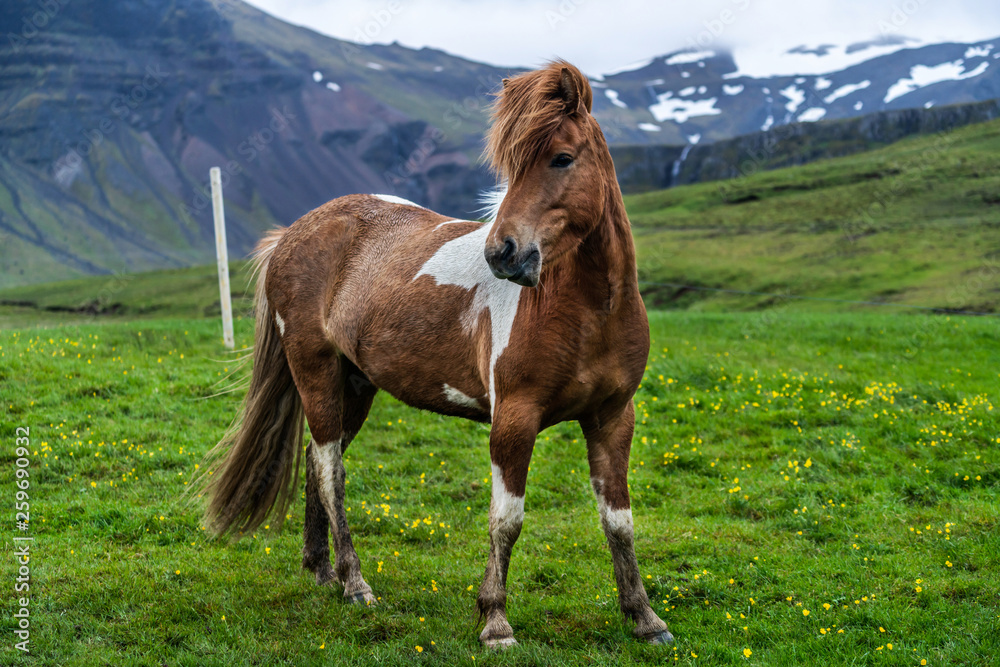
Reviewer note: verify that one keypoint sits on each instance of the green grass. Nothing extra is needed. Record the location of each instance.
(190, 292)
(784, 462)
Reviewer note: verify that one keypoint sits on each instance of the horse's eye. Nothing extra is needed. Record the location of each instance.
(562, 161)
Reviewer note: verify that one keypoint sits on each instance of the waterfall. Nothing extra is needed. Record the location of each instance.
(675, 171)
(678, 163)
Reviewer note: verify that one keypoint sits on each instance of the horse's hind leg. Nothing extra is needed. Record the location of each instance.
(335, 408)
(608, 446)
(315, 534)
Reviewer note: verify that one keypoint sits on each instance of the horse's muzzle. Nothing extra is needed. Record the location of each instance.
(509, 262)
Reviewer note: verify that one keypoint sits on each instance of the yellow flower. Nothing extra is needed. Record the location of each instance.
(805, 612)
(420, 649)
(747, 653)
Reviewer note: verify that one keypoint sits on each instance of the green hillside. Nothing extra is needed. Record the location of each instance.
(917, 222)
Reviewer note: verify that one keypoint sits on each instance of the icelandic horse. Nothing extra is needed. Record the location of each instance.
(524, 321)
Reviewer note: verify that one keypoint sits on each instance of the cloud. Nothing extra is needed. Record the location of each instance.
(601, 35)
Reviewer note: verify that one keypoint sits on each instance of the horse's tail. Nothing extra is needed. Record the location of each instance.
(252, 471)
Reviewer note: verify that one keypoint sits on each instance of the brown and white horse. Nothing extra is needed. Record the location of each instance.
(527, 320)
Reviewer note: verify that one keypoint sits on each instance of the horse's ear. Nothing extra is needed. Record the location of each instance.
(575, 91)
(506, 82)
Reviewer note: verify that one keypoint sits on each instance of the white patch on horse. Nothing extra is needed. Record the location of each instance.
(614, 521)
(393, 199)
(507, 509)
(461, 262)
(459, 398)
(280, 322)
(329, 465)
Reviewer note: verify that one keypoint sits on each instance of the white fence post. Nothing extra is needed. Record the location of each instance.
(222, 253)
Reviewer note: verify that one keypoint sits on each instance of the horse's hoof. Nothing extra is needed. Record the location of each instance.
(364, 599)
(660, 638)
(499, 644)
(325, 576)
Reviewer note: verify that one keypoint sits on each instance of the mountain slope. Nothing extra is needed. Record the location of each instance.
(112, 112)
(109, 128)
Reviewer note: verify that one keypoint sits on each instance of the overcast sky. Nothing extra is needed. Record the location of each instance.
(602, 35)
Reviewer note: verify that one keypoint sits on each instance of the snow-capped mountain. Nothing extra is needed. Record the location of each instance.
(691, 96)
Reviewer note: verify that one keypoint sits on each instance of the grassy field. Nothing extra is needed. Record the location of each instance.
(807, 489)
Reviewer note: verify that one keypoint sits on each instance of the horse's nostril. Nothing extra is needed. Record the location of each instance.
(509, 248)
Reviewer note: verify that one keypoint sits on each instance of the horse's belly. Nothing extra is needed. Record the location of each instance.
(428, 362)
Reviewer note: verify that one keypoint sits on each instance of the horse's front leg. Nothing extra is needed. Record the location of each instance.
(608, 447)
(512, 440)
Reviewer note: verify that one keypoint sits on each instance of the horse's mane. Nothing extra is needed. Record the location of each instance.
(528, 112)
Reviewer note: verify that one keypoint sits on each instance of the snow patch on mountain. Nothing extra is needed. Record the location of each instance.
(670, 108)
(822, 83)
(765, 63)
(631, 67)
(795, 96)
(922, 76)
(649, 127)
(811, 115)
(688, 57)
(732, 90)
(844, 91)
(613, 96)
(978, 51)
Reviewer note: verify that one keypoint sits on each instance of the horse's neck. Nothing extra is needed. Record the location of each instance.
(606, 258)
